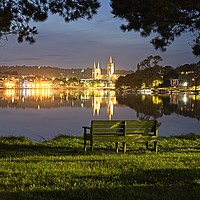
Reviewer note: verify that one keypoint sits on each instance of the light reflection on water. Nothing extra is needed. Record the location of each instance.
(39, 114)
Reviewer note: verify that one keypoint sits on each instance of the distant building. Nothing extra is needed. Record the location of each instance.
(1, 82)
(174, 82)
(110, 71)
(96, 71)
(110, 68)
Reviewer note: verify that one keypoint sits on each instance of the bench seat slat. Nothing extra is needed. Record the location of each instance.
(140, 124)
(109, 134)
(139, 138)
(106, 121)
(109, 124)
(107, 127)
(135, 131)
(107, 130)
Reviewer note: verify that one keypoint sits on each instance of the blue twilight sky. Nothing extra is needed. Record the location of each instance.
(78, 44)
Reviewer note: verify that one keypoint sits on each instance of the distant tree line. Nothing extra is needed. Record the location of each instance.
(46, 71)
(53, 72)
(9, 73)
(150, 74)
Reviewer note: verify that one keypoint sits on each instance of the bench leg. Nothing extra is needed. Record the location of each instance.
(147, 145)
(124, 147)
(155, 146)
(85, 145)
(91, 144)
(116, 147)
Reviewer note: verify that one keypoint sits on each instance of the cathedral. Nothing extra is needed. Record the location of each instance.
(110, 68)
(97, 72)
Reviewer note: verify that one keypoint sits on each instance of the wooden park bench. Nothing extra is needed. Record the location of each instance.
(121, 131)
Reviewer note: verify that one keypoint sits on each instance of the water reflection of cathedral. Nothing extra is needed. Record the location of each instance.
(47, 98)
(99, 102)
(146, 106)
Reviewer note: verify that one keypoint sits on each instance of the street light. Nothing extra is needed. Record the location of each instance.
(185, 84)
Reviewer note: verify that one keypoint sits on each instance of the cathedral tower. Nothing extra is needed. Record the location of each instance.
(96, 71)
(110, 68)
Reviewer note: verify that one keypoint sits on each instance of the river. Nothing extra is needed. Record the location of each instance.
(44, 114)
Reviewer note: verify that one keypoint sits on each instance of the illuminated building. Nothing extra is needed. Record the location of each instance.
(110, 74)
(110, 68)
(174, 82)
(11, 83)
(96, 71)
(35, 83)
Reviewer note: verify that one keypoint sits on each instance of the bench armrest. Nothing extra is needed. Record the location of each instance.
(85, 127)
(85, 130)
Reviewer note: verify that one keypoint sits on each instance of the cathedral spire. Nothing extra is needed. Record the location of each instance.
(111, 60)
(94, 65)
(98, 65)
(110, 68)
(96, 71)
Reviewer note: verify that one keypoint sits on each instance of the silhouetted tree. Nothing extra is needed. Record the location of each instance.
(168, 18)
(150, 61)
(156, 60)
(16, 15)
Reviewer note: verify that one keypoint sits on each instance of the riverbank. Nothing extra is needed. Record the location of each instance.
(159, 91)
(59, 169)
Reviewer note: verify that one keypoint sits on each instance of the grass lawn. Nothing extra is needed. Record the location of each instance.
(60, 170)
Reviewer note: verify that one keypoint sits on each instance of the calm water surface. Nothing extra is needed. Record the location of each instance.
(44, 114)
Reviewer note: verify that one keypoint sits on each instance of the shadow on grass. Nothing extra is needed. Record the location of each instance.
(118, 193)
(20, 150)
(60, 146)
(17, 150)
(165, 177)
(147, 185)
(69, 145)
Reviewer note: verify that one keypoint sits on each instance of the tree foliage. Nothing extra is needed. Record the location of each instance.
(141, 78)
(167, 19)
(16, 15)
(150, 61)
(158, 76)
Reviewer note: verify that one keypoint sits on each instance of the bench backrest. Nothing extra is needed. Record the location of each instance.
(107, 127)
(123, 127)
(141, 127)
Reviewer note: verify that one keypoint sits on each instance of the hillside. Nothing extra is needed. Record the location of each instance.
(50, 72)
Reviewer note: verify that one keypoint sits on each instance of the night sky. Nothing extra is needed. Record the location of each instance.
(78, 44)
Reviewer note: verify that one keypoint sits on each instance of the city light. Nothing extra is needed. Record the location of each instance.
(10, 84)
(185, 98)
(40, 84)
(185, 84)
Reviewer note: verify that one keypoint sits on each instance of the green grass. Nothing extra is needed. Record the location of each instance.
(59, 169)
